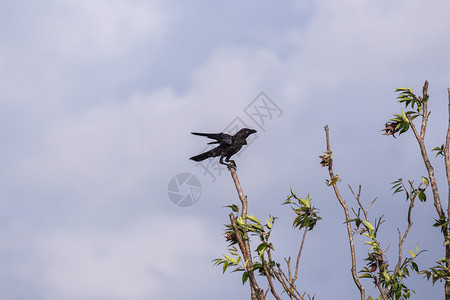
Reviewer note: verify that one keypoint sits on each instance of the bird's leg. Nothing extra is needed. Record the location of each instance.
(221, 162)
(232, 163)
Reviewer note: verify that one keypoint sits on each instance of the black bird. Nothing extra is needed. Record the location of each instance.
(228, 145)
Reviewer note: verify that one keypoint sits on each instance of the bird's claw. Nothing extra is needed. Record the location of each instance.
(232, 165)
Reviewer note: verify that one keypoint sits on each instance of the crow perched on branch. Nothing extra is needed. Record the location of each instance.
(228, 145)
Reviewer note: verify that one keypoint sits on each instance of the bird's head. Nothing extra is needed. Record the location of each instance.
(245, 132)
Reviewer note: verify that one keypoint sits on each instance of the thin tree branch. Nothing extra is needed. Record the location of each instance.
(358, 197)
(257, 292)
(269, 278)
(347, 218)
(292, 287)
(447, 168)
(420, 139)
(437, 202)
(279, 276)
(401, 240)
(447, 154)
(288, 264)
(377, 283)
(299, 254)
(251, 276)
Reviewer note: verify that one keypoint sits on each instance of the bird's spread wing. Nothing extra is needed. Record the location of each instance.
(221, 138)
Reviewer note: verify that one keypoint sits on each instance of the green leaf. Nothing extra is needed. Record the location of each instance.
(308, 201)
(414, 266)
(233, 207)
(404, 117)
(413, 255)
(261, 247)
(385, 275)
(422, 196)
(440, 150)
(253, 218)
(225, 266)
(425, 181)
(244, 277)
(269, 225)
(368, 225)
(246, 263)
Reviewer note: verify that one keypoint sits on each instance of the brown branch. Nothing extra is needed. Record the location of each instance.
(269, 278)
(257, 292)
(401, 240)
(421, 140)
(424, 111)
(447, 155)
(347, 218)
(447, 168)
(377, 283)
(279, 276)
(299, 254)
(293, 287)
(358, 197)
(288, 264)
(437, 202)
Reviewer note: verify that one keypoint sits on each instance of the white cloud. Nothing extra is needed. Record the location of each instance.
(127, 263)
(104, 29)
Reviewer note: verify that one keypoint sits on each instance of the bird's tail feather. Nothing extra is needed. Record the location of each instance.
(201, 134)
(203, 156)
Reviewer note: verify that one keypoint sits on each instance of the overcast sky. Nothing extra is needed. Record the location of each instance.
(97, 102)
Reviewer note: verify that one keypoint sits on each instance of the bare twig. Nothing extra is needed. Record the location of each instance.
(292, 287)
(298, 256)
(283, 280)
(379, 222)
(347, 218)
(401, 240)
(277, 274)
(269, 278)
(288, 264)
(358, 199)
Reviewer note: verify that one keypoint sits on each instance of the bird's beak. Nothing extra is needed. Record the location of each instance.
(252, 131)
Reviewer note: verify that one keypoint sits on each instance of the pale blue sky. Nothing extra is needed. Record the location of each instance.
(97, 102)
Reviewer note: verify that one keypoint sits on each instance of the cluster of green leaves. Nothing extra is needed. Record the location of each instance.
(307, 215)
(439, 150)
(254, 227)
(400, 123)
(398, 186)
(443, 222)
(439, 272)
(410, 99)
(392, 282)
